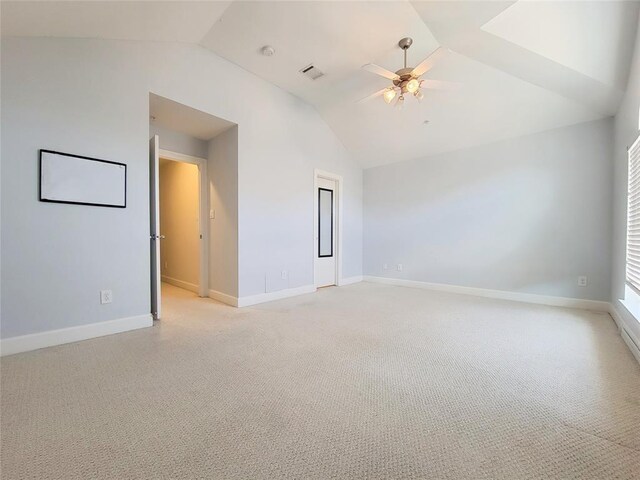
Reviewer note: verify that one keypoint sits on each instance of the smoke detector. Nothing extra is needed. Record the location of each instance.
(268, 51)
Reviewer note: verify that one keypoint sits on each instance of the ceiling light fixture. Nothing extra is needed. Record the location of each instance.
(407, 79)
(389, 95)
(412, 85)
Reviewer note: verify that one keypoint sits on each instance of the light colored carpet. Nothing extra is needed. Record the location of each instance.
(364, 381)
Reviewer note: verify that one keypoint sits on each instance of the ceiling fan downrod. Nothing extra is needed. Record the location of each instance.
(404, 44)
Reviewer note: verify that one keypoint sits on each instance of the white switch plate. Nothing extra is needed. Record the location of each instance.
(399, 267)
(385, 266)
(106, 296)
(582, 281)
(283, 274)
(212, 214)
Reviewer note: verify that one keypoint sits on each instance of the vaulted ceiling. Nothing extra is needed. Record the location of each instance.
(522, 66)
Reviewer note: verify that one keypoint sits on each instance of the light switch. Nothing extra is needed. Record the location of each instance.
(212, 214)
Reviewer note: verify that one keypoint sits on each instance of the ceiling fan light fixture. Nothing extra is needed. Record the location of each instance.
(389, 95)
(413, 85)
(407, 80)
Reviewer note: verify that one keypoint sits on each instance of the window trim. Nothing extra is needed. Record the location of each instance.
(635, 224)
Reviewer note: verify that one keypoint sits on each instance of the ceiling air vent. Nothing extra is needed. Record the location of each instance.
(312, 72)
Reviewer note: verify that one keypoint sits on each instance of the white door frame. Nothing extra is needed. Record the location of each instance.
(203, 214)
(317, 173)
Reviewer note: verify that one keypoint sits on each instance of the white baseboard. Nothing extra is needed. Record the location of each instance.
(271, 296)
(351, 280)
(181, 284)
(627, 335)
(501, 294)
(223, 297)
(34, 341)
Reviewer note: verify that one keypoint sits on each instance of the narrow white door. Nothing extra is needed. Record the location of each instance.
(326, 234)
(154, 209)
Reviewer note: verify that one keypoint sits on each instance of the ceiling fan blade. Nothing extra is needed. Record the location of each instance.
(373, 95)
(428, 63)
(440, 85)
(378, 70)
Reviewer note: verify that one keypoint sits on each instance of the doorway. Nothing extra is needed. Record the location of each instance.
(327, 238)
(179, 253)
(193, 158)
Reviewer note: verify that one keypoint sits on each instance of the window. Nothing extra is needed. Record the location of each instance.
(633, 218)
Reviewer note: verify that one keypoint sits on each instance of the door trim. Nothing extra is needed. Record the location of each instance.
(203, 212)
(317, 173)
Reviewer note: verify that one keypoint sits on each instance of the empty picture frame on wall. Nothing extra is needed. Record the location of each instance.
(74, 179)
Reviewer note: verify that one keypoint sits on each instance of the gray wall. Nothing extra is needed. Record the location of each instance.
(223, 199)
(179, 142)
(528, 214)
(626, 131)
(94, 100)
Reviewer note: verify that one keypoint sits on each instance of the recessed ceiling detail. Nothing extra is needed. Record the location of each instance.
(184, 119)
(523, 66)
(585, 36)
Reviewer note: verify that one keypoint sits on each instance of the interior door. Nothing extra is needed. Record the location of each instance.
(326, 234)
(154, 209)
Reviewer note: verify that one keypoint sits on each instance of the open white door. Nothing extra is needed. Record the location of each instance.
(154, 209)
(325, 267)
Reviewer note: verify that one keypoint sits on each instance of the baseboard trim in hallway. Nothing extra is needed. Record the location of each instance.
(192, 287)
(35, 341)
(278, 295)
(249, 300)
(595, 305)
(351, 280)
(223, 297)
(260, 297)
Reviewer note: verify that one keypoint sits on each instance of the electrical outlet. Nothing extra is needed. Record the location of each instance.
(385, 266)
(283, 275)
(399, 267)
(212, 214)
(106, 296)
(582, 281)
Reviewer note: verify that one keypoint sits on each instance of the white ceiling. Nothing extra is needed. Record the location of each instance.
(184, 119)
(524, 66)
(143, 20)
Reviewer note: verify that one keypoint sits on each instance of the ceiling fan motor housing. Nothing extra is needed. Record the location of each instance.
(405, 43)
(404, 75)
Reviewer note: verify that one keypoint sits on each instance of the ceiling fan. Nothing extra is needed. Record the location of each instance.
(407, 80)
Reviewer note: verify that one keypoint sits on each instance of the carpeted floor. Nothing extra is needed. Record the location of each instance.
(364, 381)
